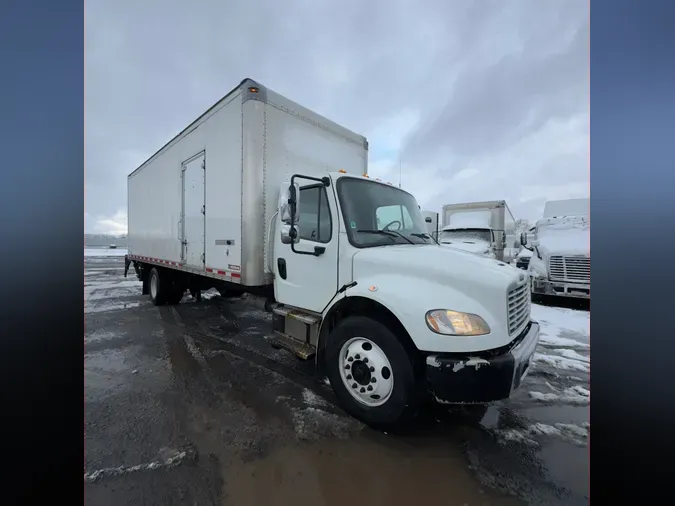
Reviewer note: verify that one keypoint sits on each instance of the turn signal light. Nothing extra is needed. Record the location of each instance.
(342, 171)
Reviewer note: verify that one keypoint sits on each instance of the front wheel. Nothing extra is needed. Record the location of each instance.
(372, 373)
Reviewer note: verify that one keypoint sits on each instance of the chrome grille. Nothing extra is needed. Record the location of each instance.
(518, 304)
(572, 269)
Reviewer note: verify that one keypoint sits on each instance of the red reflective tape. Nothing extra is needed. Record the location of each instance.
(236, 275)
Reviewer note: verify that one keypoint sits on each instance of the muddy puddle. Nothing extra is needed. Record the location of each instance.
(375, 470)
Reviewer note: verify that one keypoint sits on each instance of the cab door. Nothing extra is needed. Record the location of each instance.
(307, 278)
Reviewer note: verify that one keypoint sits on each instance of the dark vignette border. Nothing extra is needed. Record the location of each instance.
(633, 240)
(41, 241)
(632, 180)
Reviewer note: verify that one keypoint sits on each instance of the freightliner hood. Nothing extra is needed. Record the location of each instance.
(484, 280)
(477, 247)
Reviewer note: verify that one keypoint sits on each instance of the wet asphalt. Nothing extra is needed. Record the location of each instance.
(190, 405)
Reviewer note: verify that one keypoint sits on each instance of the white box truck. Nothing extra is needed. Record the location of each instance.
(561, 244)
(485, 228)
(262, 196)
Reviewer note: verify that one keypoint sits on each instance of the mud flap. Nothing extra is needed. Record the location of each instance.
(127, 263)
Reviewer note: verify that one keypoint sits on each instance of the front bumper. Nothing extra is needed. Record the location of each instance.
(457, 379)
(542, 286)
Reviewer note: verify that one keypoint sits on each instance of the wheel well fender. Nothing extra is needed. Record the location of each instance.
(360, 306)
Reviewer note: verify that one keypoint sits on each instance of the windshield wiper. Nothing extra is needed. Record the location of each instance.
(422, 236)
(388, 233)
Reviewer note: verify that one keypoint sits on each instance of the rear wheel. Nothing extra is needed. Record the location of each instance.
(157, 290)
(372, 373)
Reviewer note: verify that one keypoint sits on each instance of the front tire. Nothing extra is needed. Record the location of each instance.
(372, 373)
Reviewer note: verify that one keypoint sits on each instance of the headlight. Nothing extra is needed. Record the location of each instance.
(454, 323)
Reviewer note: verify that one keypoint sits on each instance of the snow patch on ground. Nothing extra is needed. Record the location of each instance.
(573, 355)
(105, 252)
(573, 433)
(563, 363)
(112, 305)
(574, 396)
(551, 341)
(168, 458)
(555, 321)
(312, 399)
(312, 424)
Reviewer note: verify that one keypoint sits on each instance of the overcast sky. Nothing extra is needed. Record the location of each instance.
(480, 100)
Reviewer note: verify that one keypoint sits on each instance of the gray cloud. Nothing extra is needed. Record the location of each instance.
(481, 99)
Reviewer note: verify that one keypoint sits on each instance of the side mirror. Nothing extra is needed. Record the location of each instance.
(290, 234)
(428, 219)
(523, 238)
(289, 199)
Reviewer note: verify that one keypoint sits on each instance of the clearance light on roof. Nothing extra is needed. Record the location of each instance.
(365, 175)
(378, 179)
(253, 89)
(388, 183)
(342, 171)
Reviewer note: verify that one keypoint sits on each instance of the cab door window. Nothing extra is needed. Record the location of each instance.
(314, 215)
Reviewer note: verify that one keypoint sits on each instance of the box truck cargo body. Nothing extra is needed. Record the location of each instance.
(202, 201)
(265, 199)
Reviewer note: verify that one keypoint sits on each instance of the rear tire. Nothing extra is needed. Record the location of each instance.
(156, 288)
(383, 364)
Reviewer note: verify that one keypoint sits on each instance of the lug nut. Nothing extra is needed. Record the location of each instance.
(362, 390)
(370, 389)
(372, 369)
(354, 385)
(357, 356)
(350, 359)
(347, 366)
(373, 380)
(349, 376)
(365, 360)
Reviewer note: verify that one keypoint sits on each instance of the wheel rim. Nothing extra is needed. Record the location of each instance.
(366, 371)
(153, 286)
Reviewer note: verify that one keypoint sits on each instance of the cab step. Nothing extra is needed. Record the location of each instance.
(301, 350)
(295, 330)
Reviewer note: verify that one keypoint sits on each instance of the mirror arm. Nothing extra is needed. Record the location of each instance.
(318, 250)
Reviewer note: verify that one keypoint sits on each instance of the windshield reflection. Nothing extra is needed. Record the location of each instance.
(380, 215)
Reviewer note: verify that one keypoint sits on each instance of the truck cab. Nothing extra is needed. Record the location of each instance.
(560, 264)
(390, 316)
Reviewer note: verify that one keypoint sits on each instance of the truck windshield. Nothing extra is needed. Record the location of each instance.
(379, 215)
(470, 235)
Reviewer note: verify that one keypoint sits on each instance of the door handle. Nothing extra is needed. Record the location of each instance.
(281, 264)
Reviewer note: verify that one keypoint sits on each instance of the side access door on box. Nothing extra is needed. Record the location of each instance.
(194, 212)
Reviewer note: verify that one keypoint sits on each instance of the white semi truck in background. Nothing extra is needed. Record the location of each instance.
(486, 228)
(561, 261)
(263, 198)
